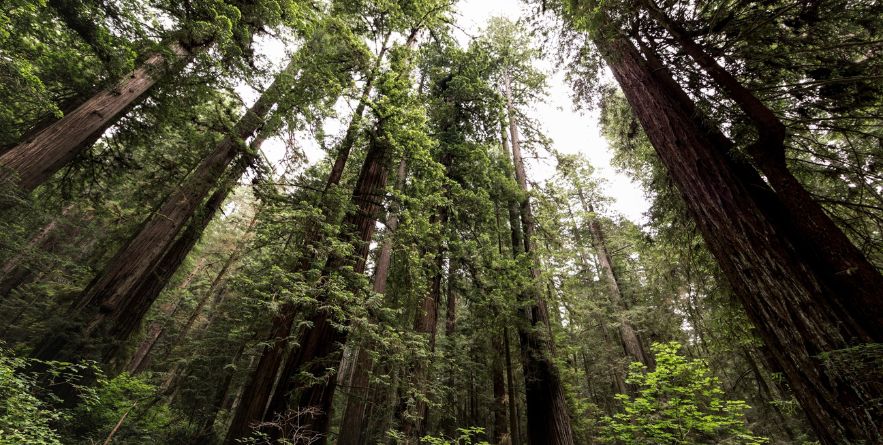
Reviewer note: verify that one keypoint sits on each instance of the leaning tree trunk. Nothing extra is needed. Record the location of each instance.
(153, 284)
(548, 420)
(35, 159)
(139, 360)
(109, 309)
(820, 240)
(798, 310)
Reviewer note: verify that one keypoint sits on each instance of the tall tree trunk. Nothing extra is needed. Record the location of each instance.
(259, 387)
(548, 420)
(36, 159)
(153, 284)
(109, 308)
(796, 308)
(205, 432)
(818, 238)
(353, 424)
(631, 341)
(78, 17)
(320, 344)
(17, 270)
(426, 318)
(511, 394)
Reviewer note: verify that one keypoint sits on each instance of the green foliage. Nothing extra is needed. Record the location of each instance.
(24, 418)
(465, 436)
(679, 402)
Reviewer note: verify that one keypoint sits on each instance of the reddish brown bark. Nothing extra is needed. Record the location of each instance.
(37, 158)
(259, 389)
(801, 313)
(821, 241)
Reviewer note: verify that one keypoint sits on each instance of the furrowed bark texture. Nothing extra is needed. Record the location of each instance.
(820, 240)
(153, 284)
(37, 158)
(797, 309)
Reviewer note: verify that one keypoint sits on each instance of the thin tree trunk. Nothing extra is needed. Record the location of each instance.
(631, 341)
(501, 402)
(426, 320)
(548, 420)
(259, 388)
(796, 308)
(16, 271)
(511, 393)
(36, 159)
(139, 361)
(90, 31)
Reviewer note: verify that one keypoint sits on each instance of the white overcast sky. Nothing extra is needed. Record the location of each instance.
(570, 131)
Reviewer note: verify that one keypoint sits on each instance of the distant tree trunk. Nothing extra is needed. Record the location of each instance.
(353, 424)
(802, 314)
(548, 420)
(259, 387)
(36, 159)
(109, 309)
(83, 23)
(221, 394)
(17, 271)
(451, 310)
(426, 318)
(631, 341)
(154, 283)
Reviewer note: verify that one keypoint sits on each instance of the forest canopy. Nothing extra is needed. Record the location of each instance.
(348, 222)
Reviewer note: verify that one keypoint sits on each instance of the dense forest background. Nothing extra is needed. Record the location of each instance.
(175, 269)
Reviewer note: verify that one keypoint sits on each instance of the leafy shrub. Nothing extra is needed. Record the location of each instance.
(678, 403)
(23, 417)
